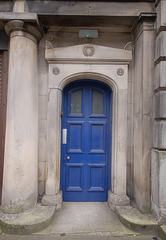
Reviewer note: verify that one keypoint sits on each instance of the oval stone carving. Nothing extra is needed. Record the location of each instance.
(120, 71)
(88, 51)
(56, 71)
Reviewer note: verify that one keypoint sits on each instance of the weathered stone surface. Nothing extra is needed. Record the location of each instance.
(42, 128)
(134, 219)
(42, 149)
(41, 187)
(160, 75)
(86, 217)
(142, 113)
(158, 184)
(142, 143)
(159, 134)
(42, 171)
(21, 147)
(43, 101)
(155, 190)
(18, 6)
(159, 105)
(42, 76)
(159, 164)
(162, 192)
(52, 200)
(53, 142)
(28, 222)
(117, 200)
(160, 50)
(88, 8)
(161, 14)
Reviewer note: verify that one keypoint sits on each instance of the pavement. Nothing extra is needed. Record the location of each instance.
(78, 237)
(86, 221)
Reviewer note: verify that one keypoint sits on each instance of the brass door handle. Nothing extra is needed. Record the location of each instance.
(68, 158)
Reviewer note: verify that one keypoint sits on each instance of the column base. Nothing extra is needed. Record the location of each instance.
(52, 200)
(159, 213)
(117, 200)
(28, 222)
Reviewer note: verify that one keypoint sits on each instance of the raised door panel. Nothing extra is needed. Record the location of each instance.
(75, 136)
(96, 177)
(97, 136)
(74, 177)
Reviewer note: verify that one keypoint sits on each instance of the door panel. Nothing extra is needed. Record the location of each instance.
(75, 137)
(96, 177)
(85, 167)
(74, 177)
(97, 137)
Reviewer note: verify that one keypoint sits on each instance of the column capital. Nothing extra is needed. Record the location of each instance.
(19, 25)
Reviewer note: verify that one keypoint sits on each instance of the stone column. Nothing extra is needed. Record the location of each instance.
(53, 194)
(159, 128)
(20, 188)
(143, 66)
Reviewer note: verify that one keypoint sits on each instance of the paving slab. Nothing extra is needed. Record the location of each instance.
(86, 217)
(77, 237)
(30, 221)
(79, 221)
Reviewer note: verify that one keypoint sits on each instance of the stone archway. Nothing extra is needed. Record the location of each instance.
(108, 65)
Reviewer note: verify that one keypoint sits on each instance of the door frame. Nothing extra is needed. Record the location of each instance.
(104, 64)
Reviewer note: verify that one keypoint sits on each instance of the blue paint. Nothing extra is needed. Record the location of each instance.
(86, 176)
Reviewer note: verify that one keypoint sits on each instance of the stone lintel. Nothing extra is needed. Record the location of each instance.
(117, 200)
(19, 25)
(87, 53)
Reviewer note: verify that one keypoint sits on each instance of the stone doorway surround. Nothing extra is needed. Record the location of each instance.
(105, 64)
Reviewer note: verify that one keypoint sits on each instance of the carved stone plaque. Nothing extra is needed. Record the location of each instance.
(120, 71)
(88, 51)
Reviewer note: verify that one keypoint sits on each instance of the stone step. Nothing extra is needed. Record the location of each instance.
(134, 219)
(162, 232)
(27, 222)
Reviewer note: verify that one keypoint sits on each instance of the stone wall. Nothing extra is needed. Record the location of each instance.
(159, 124)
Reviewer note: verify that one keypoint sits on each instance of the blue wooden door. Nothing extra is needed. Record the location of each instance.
(86, 142)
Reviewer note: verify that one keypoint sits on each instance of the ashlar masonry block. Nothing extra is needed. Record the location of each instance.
(161, 14)
(160, 50)
(158, 178)
(159, 136)
(160, 75)
(158, 164)
(159, 105)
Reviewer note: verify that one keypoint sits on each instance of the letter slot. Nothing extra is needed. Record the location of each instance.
(64, 136)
